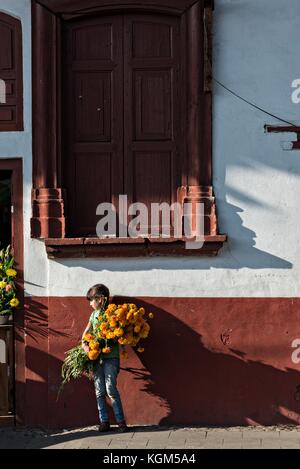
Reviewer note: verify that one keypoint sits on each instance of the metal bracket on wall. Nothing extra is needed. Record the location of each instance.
(287, 146)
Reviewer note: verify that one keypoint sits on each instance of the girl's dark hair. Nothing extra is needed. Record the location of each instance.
(98, 291)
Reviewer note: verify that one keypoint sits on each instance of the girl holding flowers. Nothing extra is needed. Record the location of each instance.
(102, 346)
(98, 355)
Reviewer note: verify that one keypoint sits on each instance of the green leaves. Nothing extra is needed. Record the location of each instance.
(75, 365)
(7, 285)
(6, 257)
(6, 311)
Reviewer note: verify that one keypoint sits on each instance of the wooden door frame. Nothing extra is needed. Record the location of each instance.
(16, 166)
(72, 8)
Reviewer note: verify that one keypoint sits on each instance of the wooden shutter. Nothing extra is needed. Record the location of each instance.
(11, 111)
(93, 121)
(152, 107)
(122, 117)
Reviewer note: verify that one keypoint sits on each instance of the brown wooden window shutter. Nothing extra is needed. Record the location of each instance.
(11, 84)
(122, 119)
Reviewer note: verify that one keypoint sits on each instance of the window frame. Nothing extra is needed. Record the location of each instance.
(48, 197)
(14, 75)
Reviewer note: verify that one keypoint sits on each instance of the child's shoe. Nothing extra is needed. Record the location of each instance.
(122, 427)
(104, 427)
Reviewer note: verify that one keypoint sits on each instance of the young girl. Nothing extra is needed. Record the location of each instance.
(107, 366)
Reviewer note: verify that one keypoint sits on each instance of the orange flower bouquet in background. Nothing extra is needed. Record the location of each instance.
(126, 324)
(8, 291)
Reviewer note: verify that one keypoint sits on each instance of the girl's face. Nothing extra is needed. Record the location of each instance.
(97, 303)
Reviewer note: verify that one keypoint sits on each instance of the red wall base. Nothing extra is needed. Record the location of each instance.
(207, 362)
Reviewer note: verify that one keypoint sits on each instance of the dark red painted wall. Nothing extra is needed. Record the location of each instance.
(207, 361)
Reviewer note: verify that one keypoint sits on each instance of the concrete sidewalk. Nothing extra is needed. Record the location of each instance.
(153, 438)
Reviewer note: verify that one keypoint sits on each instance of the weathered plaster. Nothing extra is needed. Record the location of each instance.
(256, 182)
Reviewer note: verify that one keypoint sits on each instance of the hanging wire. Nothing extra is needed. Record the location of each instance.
(255, 106)
(252, 104)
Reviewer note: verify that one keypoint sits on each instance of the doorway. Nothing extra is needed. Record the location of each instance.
(12, 334)
(5, 208)
(6, 331)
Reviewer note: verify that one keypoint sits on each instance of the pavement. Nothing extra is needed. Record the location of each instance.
(154, 437)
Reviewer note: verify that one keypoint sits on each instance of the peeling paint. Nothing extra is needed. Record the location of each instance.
(225, 337)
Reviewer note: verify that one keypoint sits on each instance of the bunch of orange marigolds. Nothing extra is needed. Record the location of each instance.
(126, 324)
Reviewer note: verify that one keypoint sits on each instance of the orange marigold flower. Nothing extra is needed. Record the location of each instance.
(93, 354)
(94, 345)
(119, 332)
(129, 316)
(88, 337)
(126, 323)
(106, 350)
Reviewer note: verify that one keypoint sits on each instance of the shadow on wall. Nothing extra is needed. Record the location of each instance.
(248, 256)
(36, 323)
(199, 386)
(240, 250)
(183, 382)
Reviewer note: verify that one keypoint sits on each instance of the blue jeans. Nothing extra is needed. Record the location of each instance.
(105, 378)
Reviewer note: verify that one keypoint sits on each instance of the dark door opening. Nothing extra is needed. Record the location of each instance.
(5, 208)
(6, 331)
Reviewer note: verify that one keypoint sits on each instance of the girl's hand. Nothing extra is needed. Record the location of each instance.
(86, 348)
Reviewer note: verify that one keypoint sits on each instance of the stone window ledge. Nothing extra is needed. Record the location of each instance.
(64, 248)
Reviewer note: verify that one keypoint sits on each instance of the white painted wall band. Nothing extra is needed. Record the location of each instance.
(256, 182)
